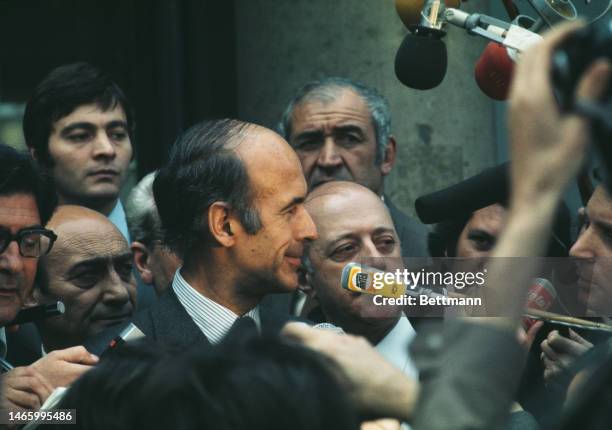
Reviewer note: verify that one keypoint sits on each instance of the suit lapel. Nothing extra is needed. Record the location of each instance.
(170, 322)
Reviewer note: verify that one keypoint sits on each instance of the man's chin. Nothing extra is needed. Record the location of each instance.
(8, 312)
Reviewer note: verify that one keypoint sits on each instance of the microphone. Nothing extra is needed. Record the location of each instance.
(421, 59)
(36, 313)
(360, 279)
(493, 71)
(541, 296)
(409, 11)
(509, 35)
(369, 280)
(128, 334)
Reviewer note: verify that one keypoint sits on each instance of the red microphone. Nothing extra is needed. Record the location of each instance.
(493, 71)
(541, 296)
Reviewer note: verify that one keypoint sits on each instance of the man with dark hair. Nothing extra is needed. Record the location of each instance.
(26, 204)
(369, 239)
(204, 388)
(341, 130)
(238, 220)
(78, 124)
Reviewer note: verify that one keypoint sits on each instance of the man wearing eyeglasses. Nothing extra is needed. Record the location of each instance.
(25, 205)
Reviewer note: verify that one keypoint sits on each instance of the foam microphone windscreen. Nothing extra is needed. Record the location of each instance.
(421, 61)
(493, 71)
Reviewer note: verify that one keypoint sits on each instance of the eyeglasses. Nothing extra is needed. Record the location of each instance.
(33, 242)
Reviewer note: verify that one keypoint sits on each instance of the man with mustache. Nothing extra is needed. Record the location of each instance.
(341, 131)
(78, 125)
(90, 270)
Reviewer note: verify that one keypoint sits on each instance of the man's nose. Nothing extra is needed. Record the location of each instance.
(329, 156)
(307, 230)
(585, 246)
(372, 257)
(116, 290)
(11, 260)
(103, 146)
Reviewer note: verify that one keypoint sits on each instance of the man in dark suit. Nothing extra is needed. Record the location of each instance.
(341, 130)
(239, 223)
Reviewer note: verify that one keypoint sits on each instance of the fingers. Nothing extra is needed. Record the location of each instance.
(563, 345)
(26, 387)
(550, 353)
(76, 354)
(533, 332)
(575, 336)
(533, 68)
(594, 81)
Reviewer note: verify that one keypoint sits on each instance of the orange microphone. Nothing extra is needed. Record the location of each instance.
(409, 11)
(493, 71)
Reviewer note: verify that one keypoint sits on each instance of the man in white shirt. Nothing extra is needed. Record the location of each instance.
(354, 225)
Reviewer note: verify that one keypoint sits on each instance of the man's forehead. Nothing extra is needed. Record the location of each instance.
(336, 217)
(18, 210)
(92, 113)
(599, 206)
(88, 237)
(342, 105)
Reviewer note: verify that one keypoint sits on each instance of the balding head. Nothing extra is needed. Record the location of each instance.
(332, 198)
(90, 270)
(354, 225)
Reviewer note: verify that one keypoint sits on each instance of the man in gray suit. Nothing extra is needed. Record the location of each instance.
(341, 130)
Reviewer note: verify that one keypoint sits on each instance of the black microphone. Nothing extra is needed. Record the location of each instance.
(421, 59)
(36, 313)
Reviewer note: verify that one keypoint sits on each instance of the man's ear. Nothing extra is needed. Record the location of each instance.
(388, 160)
(33, 154)
(141, 261)
(305, 282)
(221, 223)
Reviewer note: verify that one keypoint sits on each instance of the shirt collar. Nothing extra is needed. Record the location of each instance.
(214, 319)
(3, 347)
(117, 217)
(394, 346)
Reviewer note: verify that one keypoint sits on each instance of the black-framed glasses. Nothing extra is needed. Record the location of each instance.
(33, 242)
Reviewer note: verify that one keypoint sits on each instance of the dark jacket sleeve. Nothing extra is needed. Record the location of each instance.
(469, 374)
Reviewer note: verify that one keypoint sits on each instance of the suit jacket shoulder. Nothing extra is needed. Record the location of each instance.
(165, 321)
(412, 233)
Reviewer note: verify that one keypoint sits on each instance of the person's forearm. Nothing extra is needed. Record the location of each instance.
(514, 261)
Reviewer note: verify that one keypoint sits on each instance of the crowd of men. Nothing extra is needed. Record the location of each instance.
(226, 257)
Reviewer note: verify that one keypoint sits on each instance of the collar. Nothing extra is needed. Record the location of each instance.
(214, 319)
(117, 217)
(3, 346)
(394, 346)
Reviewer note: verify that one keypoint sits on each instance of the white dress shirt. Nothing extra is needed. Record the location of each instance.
(213, 319)
(394, 347)
(117, 217)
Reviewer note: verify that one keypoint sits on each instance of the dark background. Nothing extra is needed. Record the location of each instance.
(179, 54)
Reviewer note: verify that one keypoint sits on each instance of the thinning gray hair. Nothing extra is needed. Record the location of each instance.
(141, 212)
(327, 90)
